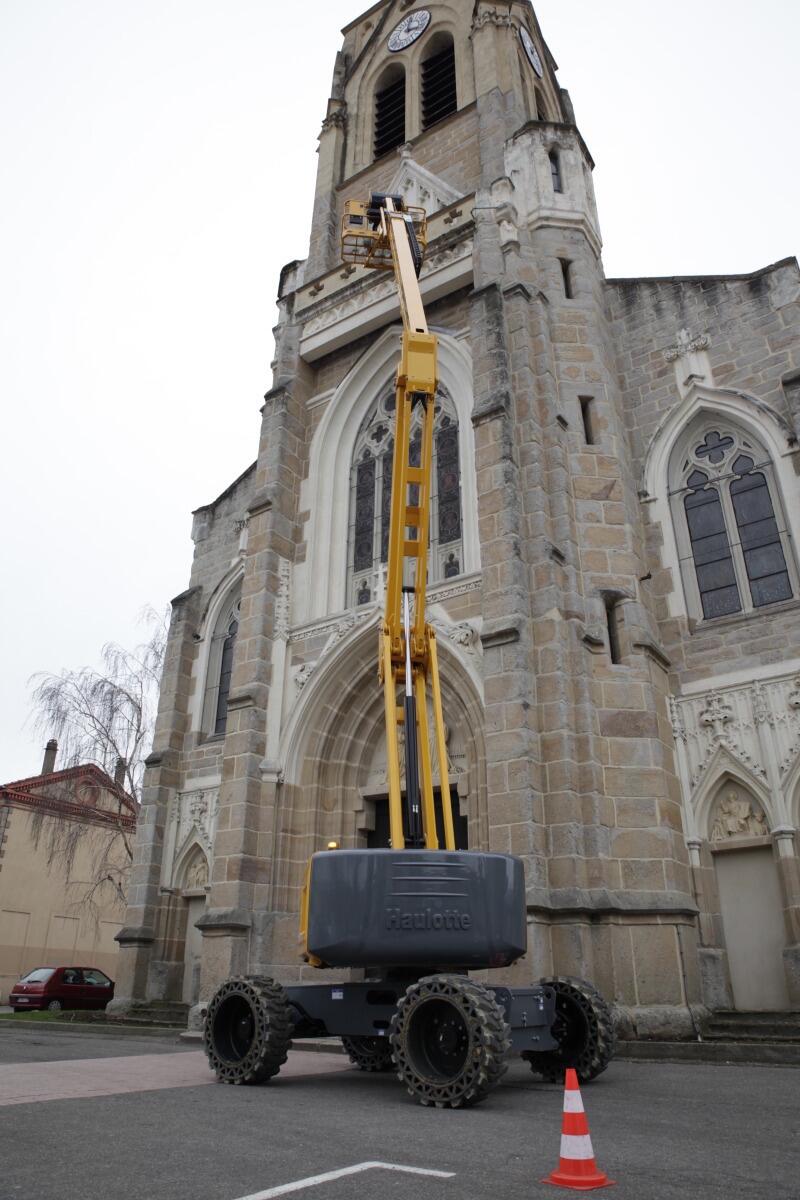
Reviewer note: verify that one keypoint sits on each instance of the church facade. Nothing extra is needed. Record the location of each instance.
(614, 572)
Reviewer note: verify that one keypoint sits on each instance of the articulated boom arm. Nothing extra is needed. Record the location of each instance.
(385, 234)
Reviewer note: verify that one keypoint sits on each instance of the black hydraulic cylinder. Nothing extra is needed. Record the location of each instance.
(413, 808)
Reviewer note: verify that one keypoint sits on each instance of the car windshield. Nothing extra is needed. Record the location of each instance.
(40, 975)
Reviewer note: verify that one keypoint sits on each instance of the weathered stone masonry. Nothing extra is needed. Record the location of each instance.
(600, 727)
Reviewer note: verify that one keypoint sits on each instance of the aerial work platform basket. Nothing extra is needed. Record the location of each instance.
(365, 236)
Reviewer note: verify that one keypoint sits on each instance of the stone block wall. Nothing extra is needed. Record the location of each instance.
(752, 324)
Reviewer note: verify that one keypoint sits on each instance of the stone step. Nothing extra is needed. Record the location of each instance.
(761, 1027)
(158, 1012)
(778, 1054)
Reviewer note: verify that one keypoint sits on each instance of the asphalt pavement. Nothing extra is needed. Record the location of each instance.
(661, 1130)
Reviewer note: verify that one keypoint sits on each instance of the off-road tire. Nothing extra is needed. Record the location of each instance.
(584, 1029)
(369, 1053)
(450, 1041)
(247, 1032)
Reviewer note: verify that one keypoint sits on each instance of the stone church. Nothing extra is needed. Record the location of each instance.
(613, 573)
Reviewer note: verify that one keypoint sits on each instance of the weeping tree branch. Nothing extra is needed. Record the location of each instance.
(105, 716)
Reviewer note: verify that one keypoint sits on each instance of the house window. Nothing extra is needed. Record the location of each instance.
(371, 496)
(439, 83)
(566, 278)
(735, 554)
(220, 668)
(390, 111)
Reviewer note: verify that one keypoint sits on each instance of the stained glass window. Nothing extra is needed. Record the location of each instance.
(225, 671)
(738, 550)
(711, 549)
(365, 512)
(758, 533)
(447, 478)
(371, 492)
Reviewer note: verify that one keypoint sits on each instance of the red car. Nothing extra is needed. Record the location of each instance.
(55, 988)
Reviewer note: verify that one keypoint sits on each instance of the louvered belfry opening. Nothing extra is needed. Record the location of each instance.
(390, 114)
(439, 86)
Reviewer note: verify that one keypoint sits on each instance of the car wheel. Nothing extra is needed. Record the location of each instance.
(54, 1006)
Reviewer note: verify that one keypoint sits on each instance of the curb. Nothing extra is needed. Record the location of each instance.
(102, 1030)
(772, 1054)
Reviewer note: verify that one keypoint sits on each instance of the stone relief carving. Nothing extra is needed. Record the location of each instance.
(738, 816)
(196, 873)
(491, 16)
(685, 344)
(378, 778)
(439, 593)
(335, 119)
(462, 634)
(283, 599)
(690, 359)
(756, 725)
(193, 815)
(678, 730)
(716, 715)
(303, 674)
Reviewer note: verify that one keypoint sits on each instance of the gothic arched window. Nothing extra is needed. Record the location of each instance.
(371, 493)
(220, 667)
(390, 110)
(732, 534)
(438, 81)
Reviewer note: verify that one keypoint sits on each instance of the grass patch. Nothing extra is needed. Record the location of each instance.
(32, 1014)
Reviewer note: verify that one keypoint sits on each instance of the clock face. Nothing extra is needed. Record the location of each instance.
(409, 29)
(531, 51)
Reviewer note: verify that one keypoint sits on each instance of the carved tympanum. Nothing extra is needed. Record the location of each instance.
(738, 816)
(197, 873)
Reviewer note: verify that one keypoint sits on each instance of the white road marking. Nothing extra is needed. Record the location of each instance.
(313, 1180)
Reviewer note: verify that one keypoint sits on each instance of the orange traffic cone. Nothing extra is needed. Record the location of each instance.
(576, 1167)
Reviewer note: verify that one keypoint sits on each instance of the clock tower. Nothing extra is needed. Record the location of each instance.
(570, 596)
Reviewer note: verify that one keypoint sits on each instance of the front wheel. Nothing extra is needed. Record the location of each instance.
(248, 1029)
(583, 1028)
(450, 1041)
(55, 1006)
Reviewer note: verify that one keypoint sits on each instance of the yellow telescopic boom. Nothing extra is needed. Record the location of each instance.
(387, 235)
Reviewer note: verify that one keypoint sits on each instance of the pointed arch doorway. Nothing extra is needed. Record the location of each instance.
(750, 904)
(377, 833)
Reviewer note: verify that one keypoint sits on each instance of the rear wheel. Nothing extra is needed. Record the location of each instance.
(54, 1006)
(248, 1030)
(583, 1028)
(450, 1041)
(369, 1053)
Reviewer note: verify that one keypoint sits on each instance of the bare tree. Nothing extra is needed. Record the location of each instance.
(106, 717)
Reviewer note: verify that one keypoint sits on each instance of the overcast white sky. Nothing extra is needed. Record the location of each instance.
(157, 163)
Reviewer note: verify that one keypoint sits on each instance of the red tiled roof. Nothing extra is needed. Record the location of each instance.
(32, 793)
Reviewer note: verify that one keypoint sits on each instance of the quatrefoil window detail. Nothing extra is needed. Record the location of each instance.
(714, 447)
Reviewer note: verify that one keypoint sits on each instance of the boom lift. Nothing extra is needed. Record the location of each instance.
(413, 918)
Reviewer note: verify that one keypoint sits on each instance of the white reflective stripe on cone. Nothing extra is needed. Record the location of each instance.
(574, 1145)
(573, 1102)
